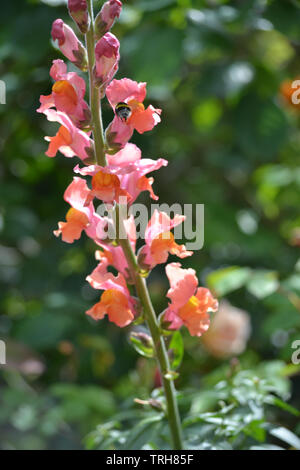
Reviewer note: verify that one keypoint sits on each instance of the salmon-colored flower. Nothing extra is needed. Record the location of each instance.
(106, 17)
(80, 217)
(122, 179)
(106, 185)
(160, 241)
(67, 95)
(69, 140)
(69, 44)
(107, 59)
(129, 154)
(78, 10)
(115, 301)
(132, 94)
(190, 305)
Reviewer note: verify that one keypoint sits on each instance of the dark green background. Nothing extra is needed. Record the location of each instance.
(215, 68)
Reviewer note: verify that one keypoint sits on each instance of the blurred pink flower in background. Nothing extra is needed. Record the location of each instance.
(229, 331)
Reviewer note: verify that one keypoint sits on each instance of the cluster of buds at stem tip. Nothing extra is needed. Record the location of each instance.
(107, 54)
(106, 17)
(78, 10)
(69, 44)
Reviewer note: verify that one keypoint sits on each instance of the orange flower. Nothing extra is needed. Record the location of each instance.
(190, 305)
(115, 301)
(106, 186)
(66, 95)
(70, 230)
(289, 91)
(164, 244)
(194, 313)
(160, 242)
(115, 304)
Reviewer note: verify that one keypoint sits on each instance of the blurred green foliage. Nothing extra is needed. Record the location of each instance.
(215, 68)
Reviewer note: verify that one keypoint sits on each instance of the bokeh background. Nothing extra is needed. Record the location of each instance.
(219, 71)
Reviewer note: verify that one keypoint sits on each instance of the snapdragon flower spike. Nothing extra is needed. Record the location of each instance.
(116, 301)
(132, 94)
(67, 95)
(107, 55)
(190, 305)
(78, 10)
(160, 241)
(69, 44)
(106, 17)
(80, 217)
(69, 140)
(126, 180)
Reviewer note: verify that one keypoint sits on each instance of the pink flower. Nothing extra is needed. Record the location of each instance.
(69, 44)
(107, 59)
(78, 10)
(132, 94)
(190, 304)
(115, 301)
(80, 217)
(67, 95)
(113, 181)
(129, 154)
(69, 140)
(106, 17)
(133, 178)
(106, 185)
(228, 333)
(160, 241)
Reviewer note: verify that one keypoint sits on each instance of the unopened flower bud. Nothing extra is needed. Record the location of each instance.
(78, 10)
(141, 258)
(106, 17)
(107, 59)
(69, 44)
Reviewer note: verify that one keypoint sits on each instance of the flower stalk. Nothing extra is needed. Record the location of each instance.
(140, 282)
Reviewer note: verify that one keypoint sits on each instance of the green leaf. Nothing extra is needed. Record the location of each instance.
(143, 344)
(261, 127)
(287, 436)
(284, 406)
(263, 283)
(266, 447)
(176, 350)
(143, 432)
(228, 279)
(255, 430)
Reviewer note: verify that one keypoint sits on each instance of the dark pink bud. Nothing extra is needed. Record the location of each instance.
(69, 44)
(105, 19)
(77, 5)
(57, 31)
(107, 59)
(78, 10)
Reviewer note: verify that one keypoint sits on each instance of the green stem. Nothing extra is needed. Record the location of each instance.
(159, 343)
(95, 100)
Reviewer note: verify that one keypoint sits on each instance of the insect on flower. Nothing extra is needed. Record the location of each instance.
(123, 111)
